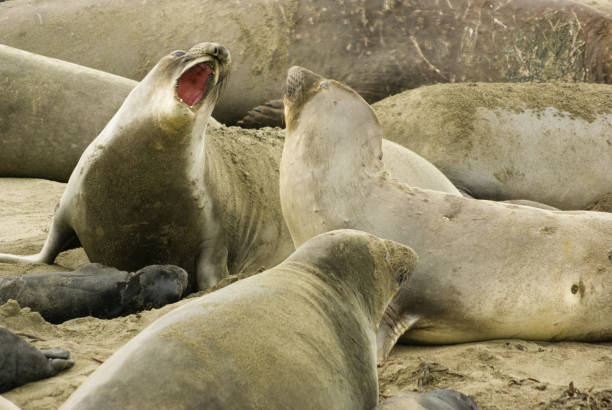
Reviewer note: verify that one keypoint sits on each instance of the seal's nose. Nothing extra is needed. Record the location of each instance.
(213, 49)
(298, 80)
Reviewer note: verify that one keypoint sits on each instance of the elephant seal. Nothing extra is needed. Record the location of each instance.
(95, 290)
(22, 363)
(548, 143)
(381, 48)
(300, 334)
(47, 117)
(486, 270)
(150, 189)
(441, 399)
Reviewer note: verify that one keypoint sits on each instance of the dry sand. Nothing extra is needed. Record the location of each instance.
(500, 374)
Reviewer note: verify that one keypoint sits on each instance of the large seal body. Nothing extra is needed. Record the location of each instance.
(549, 143)
(149, 189)
(379, 48)
(51, 110)
(486, 270)
(301, 335)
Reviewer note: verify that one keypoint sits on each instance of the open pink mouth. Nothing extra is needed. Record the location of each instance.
(192, 85)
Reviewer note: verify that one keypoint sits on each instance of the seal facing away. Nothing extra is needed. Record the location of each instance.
(22, 363)
(486, 270)
(300, 335)
(149, 190)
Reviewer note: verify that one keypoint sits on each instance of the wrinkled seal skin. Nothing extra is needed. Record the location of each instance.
(441, 399)
(486, 270)
(150, 190)
(550, 143)
(22, 363)
(300, 335)
(95, 290)
(51, 110)
(377, 47)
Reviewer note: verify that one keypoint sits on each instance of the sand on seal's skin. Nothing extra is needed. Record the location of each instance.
(500, 374)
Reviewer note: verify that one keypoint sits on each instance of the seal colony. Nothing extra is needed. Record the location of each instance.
(381, 48)
(155, 148)
(300, 334)
(486, 270)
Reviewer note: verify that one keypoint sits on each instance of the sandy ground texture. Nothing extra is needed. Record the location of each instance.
(499, 374)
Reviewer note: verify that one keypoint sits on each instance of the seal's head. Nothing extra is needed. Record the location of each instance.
(329, 113)
(184, 84)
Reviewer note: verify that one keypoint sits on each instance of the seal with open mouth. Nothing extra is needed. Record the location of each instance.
(486, 270)
(149, 190)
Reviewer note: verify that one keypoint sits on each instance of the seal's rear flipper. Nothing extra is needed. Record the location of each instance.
(442, 399)
(391, 328)
(61, 237)
(270, 114)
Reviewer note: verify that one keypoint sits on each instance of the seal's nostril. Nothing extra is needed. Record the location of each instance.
(215, 51)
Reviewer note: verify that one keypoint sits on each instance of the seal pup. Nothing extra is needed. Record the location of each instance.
(548, 143)
(302, 334)
(95, 290)
(486, 270)
(22, 363)
(150, 190)
(381, 48)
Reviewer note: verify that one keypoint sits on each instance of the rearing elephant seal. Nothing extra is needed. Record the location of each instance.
(300, 335)
(150, 190)
(486, 270)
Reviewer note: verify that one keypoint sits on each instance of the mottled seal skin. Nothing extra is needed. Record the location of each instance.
(441, 399)
(549, 143)
(150, 190)
(51, 110)
(378, 48)
(486, 270)
(300, 335)
(22, 363)
(95, 290)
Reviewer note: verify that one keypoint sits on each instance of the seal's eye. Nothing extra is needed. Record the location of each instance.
(323, 84)
(178, 53)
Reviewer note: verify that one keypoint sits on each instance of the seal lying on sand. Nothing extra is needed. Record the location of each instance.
(486, 270)
(22, 363)
(550, 143)
(302, 334)
(95, 290)
(148, 189)
(379, 48)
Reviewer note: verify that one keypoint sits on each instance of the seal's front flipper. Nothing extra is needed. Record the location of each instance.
(61, 237)
(271, 114)
(442, 399)
(21, 363)
(391, 328)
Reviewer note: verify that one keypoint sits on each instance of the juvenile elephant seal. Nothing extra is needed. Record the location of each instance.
(378, 47)
(302, 334)
(550, 143)
(486, 270)
(150, 190)
(95, 290)
(22, 363)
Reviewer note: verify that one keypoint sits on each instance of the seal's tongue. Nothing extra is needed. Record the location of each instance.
(192, 84)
